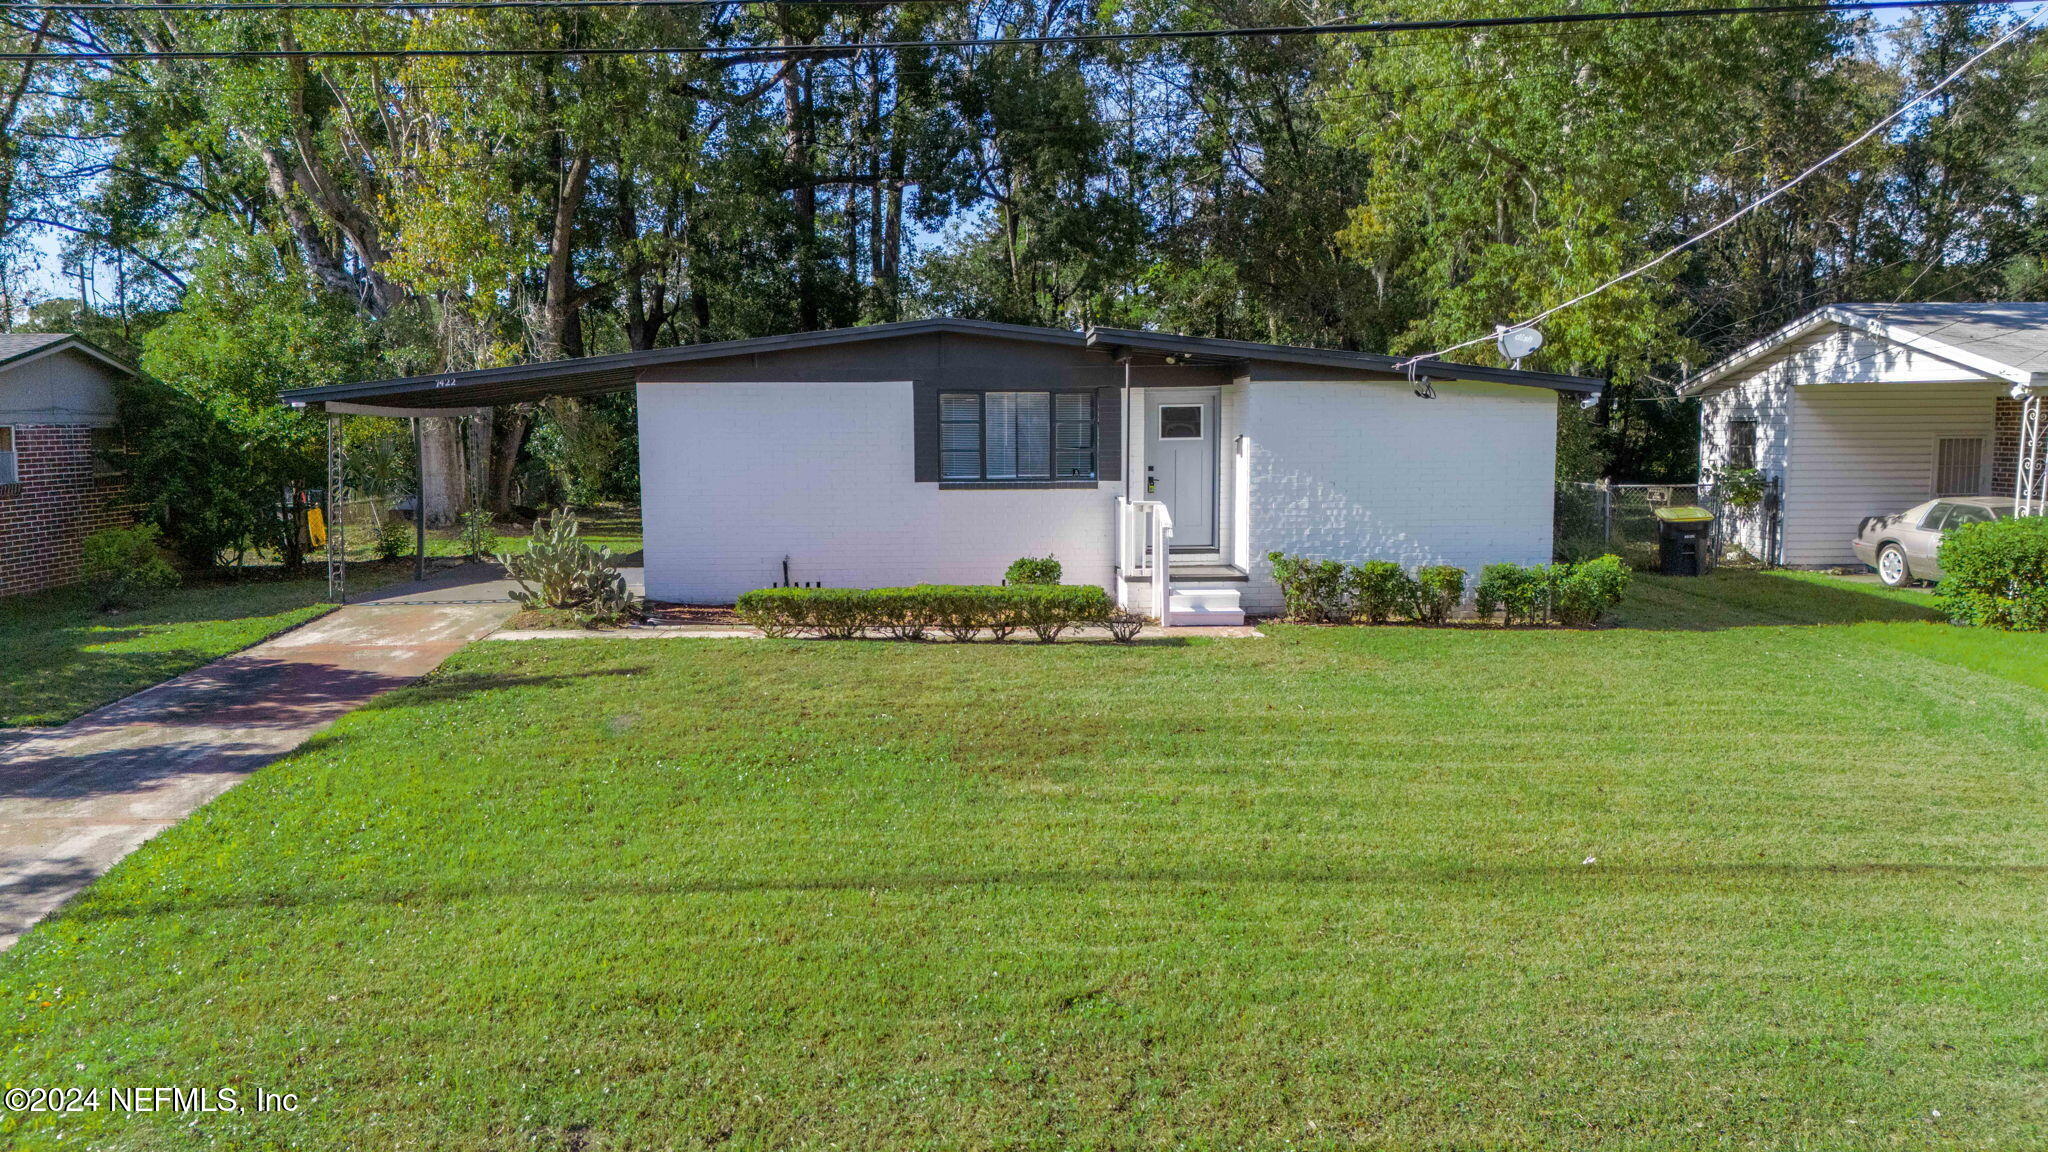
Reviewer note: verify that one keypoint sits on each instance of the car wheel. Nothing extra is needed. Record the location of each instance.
(1891, 567)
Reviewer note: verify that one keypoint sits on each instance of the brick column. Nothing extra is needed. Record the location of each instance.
(2005, 447)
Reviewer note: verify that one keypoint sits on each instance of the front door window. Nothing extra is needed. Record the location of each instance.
(1180, 422)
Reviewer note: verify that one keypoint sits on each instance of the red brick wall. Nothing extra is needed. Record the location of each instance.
(57, 504)
(2005, 448)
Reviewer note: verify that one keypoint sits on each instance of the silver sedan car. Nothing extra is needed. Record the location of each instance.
(1902, 546)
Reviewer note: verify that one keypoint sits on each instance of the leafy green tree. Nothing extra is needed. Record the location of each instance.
(218, 455)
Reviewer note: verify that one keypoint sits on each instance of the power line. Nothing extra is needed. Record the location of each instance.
(430, 5)
(1697, 237)
(769, 52)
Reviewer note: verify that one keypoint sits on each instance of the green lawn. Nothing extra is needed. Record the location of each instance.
(1767, 868)
(65, 657)
(608, 526)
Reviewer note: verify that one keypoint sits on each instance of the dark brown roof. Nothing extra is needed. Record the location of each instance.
(615, 373)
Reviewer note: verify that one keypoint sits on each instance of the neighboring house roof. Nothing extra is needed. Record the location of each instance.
(618, 372)
(20, 347)
(2003, 341)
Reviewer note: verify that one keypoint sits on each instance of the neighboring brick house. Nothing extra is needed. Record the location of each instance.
(59, 464)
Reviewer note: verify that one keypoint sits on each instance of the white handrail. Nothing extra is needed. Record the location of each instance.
(1144, 544)
(1162, 564)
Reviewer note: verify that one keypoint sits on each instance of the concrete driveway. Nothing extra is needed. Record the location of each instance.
(75, 799)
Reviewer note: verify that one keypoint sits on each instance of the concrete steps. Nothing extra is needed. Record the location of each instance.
(1204, 607)
(1205, 593)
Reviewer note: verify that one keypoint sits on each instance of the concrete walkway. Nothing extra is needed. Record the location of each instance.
(75, 799)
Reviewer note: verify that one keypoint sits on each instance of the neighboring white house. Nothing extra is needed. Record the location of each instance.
(939, 451)
(1863, 410)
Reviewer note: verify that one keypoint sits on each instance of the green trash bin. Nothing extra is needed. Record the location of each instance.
(1684, 533)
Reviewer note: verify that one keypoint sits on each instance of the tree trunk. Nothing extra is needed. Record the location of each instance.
(562, 307)
(508, 436)
(796, 157)
(446, 485)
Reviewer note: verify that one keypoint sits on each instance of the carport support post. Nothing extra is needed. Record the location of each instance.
(337, 555)
(419, 500)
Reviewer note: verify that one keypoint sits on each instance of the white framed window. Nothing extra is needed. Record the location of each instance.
(10, 461)
(1021, 436)
(1741, 444)
(1959, 466)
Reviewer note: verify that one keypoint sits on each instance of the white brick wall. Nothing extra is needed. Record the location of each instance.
(1369, 471)
(736, 476)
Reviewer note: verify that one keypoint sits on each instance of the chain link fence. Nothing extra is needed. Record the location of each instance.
(1595, 519)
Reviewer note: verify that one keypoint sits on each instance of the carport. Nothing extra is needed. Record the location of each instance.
(459, 396)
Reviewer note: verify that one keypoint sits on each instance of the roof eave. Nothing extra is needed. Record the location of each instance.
(631, 362)
(1440, 370)
(71, 343)
(1804, 326)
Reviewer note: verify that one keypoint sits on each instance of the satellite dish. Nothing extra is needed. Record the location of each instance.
(1516, 343)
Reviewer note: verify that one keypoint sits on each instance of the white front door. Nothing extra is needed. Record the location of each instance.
(1180, 462)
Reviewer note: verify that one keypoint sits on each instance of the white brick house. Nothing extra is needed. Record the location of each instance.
(938, 451)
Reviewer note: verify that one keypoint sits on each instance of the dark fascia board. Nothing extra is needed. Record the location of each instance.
(1242, 350)
(619, 371)
(69, 343)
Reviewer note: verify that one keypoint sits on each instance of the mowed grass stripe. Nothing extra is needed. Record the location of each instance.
(1321, 890)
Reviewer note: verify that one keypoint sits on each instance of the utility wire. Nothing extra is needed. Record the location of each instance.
(1892, 118)
(796, 51)
(411, 5)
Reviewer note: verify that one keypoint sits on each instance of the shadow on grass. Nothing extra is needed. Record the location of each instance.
(1486, 878)
(32, 891)
(443, 685)
(1739, 599)
(55, 695)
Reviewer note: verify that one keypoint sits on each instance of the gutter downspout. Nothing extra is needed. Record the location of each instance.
(1124, 449)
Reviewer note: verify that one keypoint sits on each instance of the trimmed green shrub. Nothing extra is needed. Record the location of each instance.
(1519, 595)
(559, 571)
(1033, 570)
(1995, 574)
(1439, 589)
(780, 611)
(903, 613)
(961, 611)
(1313, 590)
(1380, 590)
(122, 566)
(1051, 610)
(1574, 595)
(1589, 590)
(394, 538)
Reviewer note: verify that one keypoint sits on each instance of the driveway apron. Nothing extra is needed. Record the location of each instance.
(75, 799)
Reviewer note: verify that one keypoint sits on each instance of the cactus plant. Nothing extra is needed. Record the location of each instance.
(559, 571)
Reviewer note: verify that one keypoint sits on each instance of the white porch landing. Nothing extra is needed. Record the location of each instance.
(1203, 592)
